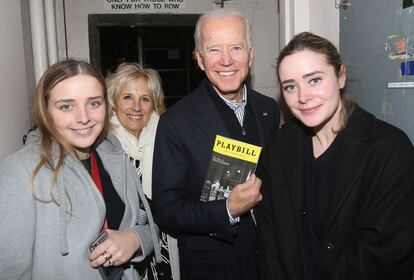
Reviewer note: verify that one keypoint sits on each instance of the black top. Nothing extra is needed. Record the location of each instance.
(115, 207)
(368, 231)
(319, 181)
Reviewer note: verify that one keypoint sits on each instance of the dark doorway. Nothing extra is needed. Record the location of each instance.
(162, 42)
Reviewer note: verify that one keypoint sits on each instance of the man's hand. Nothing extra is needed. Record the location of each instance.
(245, 196)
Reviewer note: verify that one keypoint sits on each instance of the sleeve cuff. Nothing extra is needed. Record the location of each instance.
(232, 220)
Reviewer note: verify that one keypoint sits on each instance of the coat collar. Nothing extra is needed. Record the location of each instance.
(205, 114)
(291, 143)
(351, 157)
(361, 124)
(258, 115)
(113, 159)
(207, 117)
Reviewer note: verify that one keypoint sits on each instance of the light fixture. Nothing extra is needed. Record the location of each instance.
(342, 4)
(220, 2)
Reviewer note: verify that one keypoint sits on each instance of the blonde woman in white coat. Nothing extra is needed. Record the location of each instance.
(137, 100)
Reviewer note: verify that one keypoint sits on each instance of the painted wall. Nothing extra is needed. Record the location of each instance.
(324, 19)
(14, 105)
(17, 82)
(317, 16)
(371, 31)
(263, 15)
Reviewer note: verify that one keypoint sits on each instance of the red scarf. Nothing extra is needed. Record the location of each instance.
(97, 179)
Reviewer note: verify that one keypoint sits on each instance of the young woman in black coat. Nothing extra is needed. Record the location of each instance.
(338, 184)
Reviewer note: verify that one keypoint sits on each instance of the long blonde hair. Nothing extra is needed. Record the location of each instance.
(50, 136)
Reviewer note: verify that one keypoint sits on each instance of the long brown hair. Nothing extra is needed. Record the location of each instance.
(50, 137)
(317, 44)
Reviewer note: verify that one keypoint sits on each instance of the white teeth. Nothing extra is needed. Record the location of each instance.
(134, 117)
(226, 74)
(82, 131)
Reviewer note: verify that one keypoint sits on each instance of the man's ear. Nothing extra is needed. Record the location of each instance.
(251, 55)
(200, 60)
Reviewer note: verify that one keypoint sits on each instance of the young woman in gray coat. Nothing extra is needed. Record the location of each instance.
(70, 184)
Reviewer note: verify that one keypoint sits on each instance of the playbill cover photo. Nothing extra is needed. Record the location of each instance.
(232, 162)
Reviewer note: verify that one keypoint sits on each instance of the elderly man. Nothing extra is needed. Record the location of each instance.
(216, 239)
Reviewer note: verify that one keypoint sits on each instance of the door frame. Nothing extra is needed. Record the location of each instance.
(99, 20)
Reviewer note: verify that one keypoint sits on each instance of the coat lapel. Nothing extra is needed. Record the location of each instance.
(291, 142)
(257, 116)
(114, 163)
(291, 146)
(350, 153)
(352, 150)
(206, 116)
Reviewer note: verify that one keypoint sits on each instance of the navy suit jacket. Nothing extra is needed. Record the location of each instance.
(210, 248)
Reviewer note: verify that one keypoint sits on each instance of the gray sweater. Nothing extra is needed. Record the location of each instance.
(41, 240)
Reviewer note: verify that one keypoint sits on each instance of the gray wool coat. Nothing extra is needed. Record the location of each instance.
(41, 240)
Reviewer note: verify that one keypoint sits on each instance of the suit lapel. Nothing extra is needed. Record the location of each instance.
(206, 116)
(258, 117)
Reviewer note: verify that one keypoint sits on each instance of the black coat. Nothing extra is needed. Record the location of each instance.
(370, 230)
(209, 247)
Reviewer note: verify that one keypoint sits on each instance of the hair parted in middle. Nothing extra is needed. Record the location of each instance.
(56, 73)
(312, 42)
(128, 71)
(320, 45)
(216, 14)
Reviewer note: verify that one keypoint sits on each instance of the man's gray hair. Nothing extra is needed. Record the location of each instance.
(220, 13)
